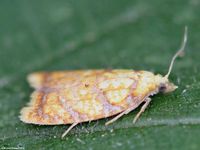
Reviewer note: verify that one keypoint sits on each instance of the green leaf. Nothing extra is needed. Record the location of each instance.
(142, 35)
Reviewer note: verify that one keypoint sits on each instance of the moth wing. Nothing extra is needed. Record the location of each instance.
(79, 96)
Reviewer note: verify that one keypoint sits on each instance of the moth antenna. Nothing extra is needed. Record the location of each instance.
(180, 52)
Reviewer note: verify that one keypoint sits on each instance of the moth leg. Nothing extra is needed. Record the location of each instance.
(67, 131)
(147, 101)
(120, 115)
(115, 118)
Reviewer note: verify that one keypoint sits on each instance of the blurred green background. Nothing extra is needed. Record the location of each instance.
(86, 34)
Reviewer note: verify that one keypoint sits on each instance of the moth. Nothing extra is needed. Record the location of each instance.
(73, 97)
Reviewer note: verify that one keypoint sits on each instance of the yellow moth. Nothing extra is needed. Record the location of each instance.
(72, 97)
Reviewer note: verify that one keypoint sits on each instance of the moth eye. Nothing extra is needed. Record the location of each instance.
(162, 87)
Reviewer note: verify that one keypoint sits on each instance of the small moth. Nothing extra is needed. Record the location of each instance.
(72, 97)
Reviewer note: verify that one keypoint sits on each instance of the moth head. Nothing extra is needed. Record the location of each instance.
(164, 84)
